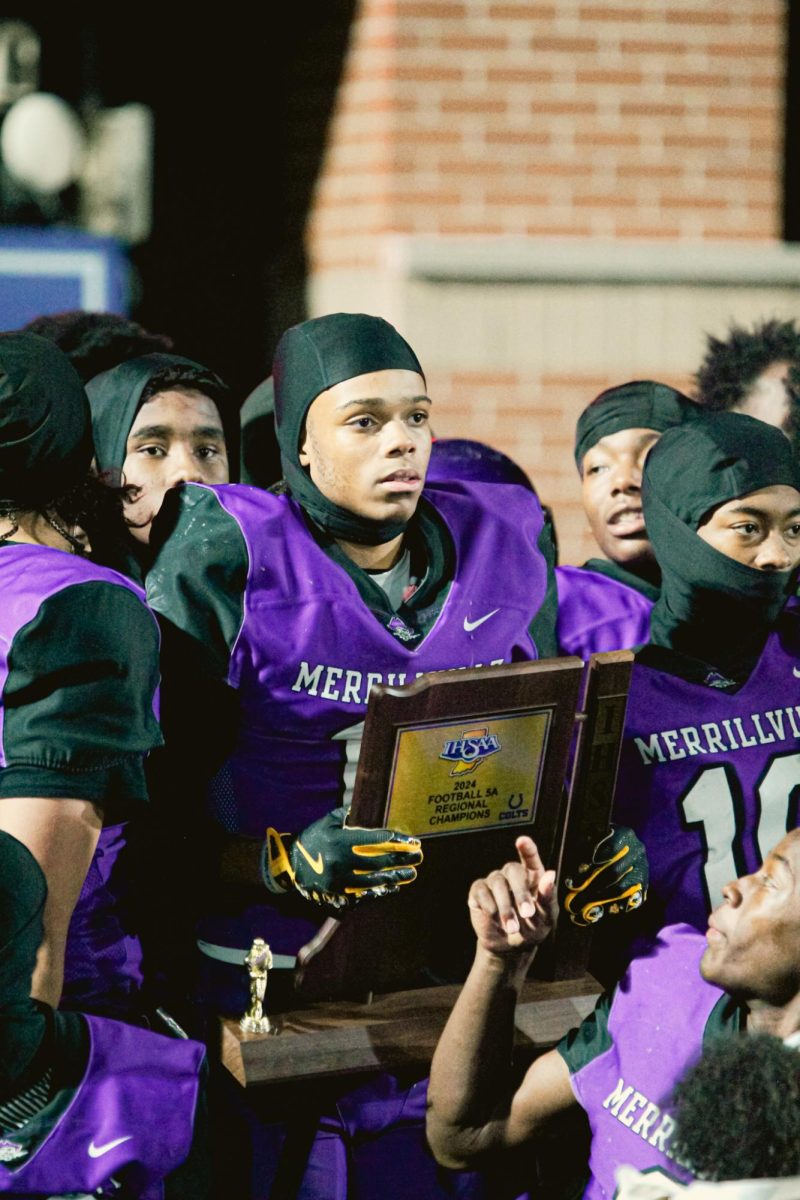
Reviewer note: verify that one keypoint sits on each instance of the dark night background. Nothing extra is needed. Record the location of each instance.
(241, 109)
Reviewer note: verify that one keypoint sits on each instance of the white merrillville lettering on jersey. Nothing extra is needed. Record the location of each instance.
(99, 1151)
(470, 625)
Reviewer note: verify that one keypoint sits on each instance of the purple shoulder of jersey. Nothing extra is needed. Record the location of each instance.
(597, 613)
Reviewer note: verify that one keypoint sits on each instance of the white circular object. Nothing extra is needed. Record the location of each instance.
(42, 143)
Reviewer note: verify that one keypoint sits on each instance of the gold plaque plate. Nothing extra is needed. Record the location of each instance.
(481, 774)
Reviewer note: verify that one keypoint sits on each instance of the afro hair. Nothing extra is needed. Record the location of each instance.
(733, 364)
(737, 1111)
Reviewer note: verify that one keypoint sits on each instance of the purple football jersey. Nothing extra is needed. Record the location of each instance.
(103, 957)
(103, 960)
(598, 613)
(309, 648)
(655, 1031)
(710, 780)
(130, 1119)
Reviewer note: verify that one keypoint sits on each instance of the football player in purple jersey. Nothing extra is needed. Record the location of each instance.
(709, 771)
(78, 679)
(85, 1102)
(297, 602)
(606, 603)
(293, 603)
(622, 1063)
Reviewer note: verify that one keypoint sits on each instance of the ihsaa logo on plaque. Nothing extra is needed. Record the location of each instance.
(469, 751)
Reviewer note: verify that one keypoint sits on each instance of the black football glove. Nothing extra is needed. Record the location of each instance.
(336, 864)
(614, 882)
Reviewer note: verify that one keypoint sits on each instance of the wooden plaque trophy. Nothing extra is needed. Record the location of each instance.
(466, 760)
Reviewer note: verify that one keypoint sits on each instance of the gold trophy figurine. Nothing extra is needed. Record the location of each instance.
(258, 961)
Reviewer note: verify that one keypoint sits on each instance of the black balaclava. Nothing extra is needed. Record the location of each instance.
(640, 404)
(115, 398)
(711, 607)
(310, 358)
(45, 427)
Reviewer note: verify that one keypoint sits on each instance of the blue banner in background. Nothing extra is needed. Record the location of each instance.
(51, 270)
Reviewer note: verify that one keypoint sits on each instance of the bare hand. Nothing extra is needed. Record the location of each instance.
(515, 908)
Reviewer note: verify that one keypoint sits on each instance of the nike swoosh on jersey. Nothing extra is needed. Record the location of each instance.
(796, 673)
(314, 863)
(470, 625)
(99, 1151)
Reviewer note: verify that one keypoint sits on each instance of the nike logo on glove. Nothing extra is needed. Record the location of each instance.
(470, 625)
(99, 1151)
(314, 863)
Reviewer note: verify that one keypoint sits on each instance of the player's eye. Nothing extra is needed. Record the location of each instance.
(596, 469)
(419, 418)
(207, 451)
(363, 422)
(748, 528)
(152, 451)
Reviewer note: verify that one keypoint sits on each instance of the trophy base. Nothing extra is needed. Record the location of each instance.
(255, 1025)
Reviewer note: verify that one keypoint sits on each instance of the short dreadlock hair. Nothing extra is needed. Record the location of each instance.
(733, 364)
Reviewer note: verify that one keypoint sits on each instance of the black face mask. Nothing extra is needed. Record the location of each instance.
(711, 607)
(311, 358)
(45, 429)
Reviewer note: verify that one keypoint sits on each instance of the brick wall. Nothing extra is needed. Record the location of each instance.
(579, 119)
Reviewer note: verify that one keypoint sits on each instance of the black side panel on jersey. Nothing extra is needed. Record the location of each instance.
(588, 1040)
(543, 626)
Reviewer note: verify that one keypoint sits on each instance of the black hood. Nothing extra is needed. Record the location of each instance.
(115, 398)
(311, 358)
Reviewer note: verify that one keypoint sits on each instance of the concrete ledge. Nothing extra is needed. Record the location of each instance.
(577, 261)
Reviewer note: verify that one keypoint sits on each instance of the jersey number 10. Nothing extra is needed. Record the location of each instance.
(714, 803)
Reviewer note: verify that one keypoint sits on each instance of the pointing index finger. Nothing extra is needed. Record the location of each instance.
(529, 854)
